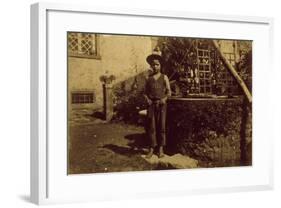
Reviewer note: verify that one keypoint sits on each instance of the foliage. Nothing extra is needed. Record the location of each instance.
(183, 65)
(245, 67)
(128, 102)
(203, 126)
(179, 55)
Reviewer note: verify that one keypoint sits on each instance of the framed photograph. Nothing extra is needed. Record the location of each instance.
(136, 103)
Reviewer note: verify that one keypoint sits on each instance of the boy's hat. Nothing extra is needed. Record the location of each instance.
(154, 56)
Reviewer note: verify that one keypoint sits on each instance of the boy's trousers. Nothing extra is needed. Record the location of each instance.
(156, 124)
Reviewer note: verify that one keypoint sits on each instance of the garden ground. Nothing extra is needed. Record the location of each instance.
(97, 147)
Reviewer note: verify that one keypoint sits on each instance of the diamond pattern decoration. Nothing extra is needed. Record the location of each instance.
(73, 42)
(82, 44)
(86, 43)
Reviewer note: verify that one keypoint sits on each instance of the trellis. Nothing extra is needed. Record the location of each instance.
(205, 70)
(202, 71)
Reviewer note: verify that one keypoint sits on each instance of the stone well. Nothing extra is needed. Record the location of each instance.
(210, 129)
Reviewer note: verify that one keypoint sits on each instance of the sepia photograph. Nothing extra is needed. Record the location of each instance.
(149, 103)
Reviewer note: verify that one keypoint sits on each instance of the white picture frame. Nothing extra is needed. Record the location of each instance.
(49, 180)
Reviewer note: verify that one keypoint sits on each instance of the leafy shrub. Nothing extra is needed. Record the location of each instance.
(207, 129)
(129, 100)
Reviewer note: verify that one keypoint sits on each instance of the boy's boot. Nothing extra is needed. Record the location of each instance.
(149, 154)
(161, 152)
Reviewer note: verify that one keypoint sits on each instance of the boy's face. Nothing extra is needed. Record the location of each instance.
(156, 66)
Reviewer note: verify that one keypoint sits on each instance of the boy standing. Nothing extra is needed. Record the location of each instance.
(157, 90)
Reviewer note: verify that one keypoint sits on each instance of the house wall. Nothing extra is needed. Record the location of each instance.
(122, 56)
(234, 46)
(227, 46)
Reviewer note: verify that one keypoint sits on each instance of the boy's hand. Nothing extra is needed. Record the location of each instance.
(163, 100)
(149, 102)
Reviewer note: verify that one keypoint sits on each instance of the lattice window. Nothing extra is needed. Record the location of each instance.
(82, 97)
(83, 45)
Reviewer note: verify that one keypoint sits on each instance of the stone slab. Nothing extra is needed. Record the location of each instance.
(177, 161)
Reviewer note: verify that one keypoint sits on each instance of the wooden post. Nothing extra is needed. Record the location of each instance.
(245, 105)
(243, 133)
